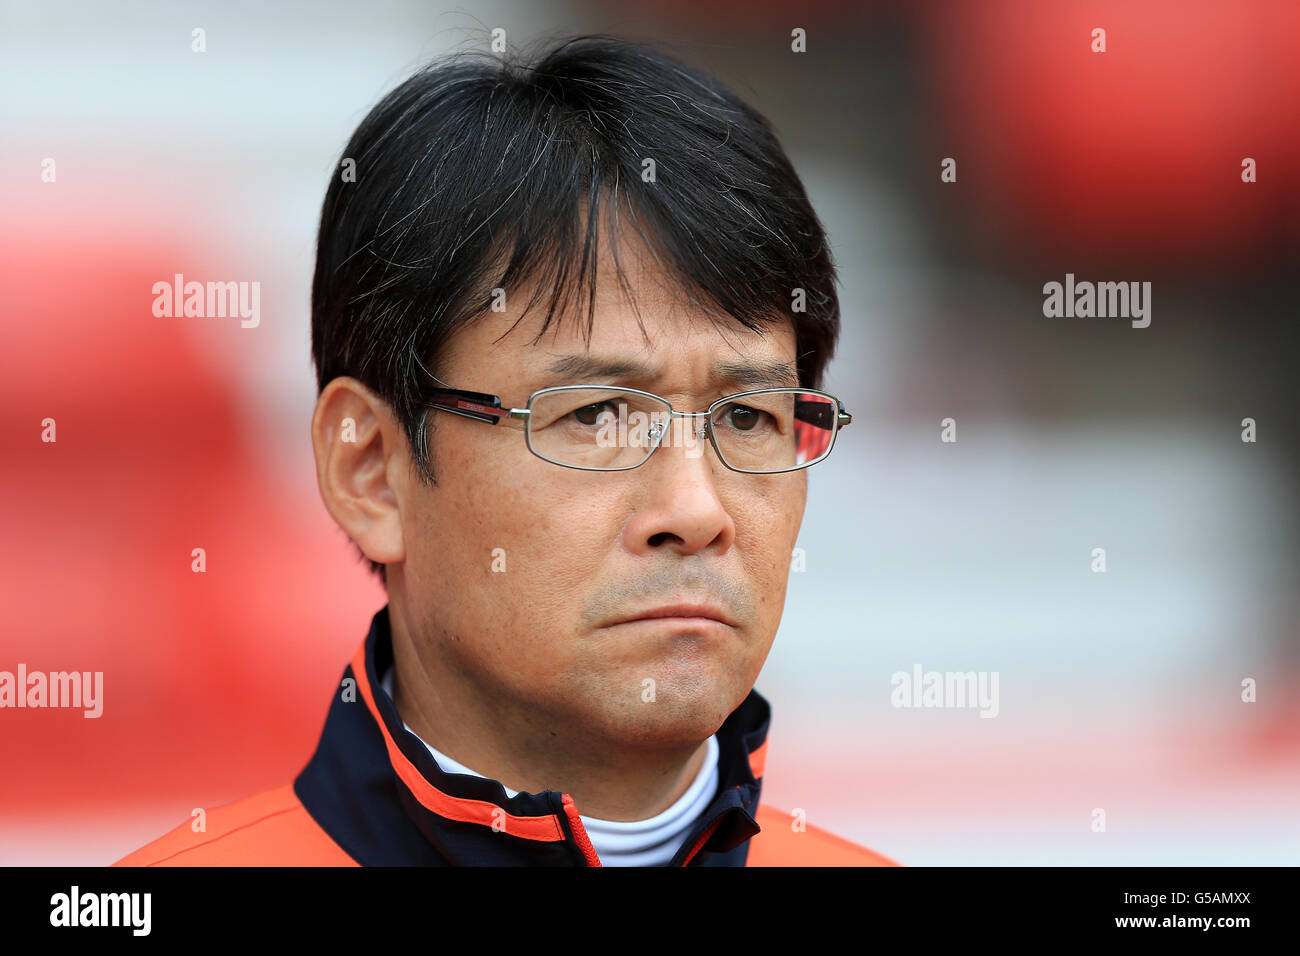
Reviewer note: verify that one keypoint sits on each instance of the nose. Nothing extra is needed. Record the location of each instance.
(680, 507)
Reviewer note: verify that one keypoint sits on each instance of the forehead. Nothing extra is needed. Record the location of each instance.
(648, 335)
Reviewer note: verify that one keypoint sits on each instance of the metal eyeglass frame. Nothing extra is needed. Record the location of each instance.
(482, 407)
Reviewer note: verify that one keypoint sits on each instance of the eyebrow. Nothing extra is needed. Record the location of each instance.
(763, 374)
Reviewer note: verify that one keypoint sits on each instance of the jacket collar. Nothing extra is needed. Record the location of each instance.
(376, 790)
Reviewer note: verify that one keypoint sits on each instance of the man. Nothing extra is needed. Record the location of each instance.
(535, 303)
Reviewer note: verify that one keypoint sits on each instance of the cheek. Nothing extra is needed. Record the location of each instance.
(767, 529)
(514, 554)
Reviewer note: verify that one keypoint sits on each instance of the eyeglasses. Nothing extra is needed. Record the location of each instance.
(607, 428)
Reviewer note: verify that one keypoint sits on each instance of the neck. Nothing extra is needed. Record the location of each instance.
(528, 749)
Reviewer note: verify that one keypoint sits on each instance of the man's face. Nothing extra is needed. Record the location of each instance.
(517, 569)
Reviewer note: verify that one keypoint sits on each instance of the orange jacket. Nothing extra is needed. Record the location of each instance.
(373, 795)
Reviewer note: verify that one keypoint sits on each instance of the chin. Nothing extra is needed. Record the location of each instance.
(663, 731)
(683, 707)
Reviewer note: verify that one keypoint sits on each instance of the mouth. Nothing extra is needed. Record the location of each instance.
(692, 614)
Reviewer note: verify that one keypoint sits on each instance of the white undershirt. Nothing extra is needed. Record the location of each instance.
(651, 842)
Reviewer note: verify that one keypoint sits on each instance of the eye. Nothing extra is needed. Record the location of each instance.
(743, 418)
(591, 414)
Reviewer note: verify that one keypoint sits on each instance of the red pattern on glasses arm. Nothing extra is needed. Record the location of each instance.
(477, 405)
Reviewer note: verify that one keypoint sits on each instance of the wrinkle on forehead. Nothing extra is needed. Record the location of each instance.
(632, 280)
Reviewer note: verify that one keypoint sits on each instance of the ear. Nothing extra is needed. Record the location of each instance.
(362, 463)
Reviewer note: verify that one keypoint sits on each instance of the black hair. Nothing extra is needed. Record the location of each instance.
(478, 171)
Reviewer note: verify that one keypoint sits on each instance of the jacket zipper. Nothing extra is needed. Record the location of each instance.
(579, 831)
(589, 852)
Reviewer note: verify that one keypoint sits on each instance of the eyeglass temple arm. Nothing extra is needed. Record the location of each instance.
(818, 413)
(476, 405)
